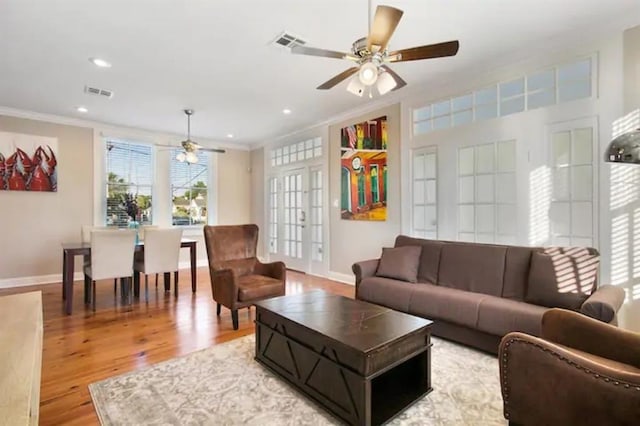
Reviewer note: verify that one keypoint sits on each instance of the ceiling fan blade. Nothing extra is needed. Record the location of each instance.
(401, 83)
(219, 151)
(324, 53)
(338, 78)
(384, 24)
(439, 50)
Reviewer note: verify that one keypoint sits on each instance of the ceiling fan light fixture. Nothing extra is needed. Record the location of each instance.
(368, 73)
(191, 157)
(181, 157)
(386, 83)
(356, 87)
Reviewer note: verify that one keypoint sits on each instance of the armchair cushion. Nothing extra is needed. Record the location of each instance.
(400, 263)
(255, 287)
(561, 280)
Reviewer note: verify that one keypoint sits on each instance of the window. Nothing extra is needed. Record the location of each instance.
(316, 216)
(461, 110)
(298, 151)
(512, 97)
(541, 89)
(129, 183)
(189, 191)
(273, 215)
(487, 193)
(574, 81)
(572, 187)
(486, 103)
(424, 220)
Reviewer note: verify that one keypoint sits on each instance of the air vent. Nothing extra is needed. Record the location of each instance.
(99, 92)
(288, 40)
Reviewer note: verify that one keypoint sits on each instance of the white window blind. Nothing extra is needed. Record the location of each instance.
(189, 190)
(129, 182)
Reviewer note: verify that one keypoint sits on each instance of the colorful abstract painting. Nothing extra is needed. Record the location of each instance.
(28, 163)
(364, 170)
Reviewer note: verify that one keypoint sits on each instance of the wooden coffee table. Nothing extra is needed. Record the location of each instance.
(362, 362)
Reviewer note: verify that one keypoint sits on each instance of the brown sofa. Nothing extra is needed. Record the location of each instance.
(477, 293)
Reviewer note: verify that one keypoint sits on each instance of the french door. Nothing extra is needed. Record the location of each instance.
(295, 216)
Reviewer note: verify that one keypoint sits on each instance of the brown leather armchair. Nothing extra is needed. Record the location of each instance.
(238, 278)
(581, 372)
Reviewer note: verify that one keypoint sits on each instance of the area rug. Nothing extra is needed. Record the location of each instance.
(223, 385)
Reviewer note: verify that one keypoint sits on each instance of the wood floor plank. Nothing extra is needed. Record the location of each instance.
(89, 346)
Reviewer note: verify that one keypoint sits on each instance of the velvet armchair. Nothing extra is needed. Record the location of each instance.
(581, 372)
(238, 278)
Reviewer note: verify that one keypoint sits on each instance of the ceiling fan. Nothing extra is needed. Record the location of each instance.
(189, 147)
(371, 55)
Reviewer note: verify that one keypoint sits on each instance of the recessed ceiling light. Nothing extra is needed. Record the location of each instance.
(286, 111)
(229, 135)
(82, 109)
(100, 62)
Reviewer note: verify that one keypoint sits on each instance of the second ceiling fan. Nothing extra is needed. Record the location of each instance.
(371, 56)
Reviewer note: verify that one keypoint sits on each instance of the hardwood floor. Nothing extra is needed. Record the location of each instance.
(90, 346)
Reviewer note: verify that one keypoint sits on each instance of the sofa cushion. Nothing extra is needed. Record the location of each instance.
(516, 272)
(387, 292)
(443, 303)
(473, 267)
(429, 259)
(501, 316)
(400, 263)
(561, 280)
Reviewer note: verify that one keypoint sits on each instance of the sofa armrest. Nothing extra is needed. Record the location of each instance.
(276, 270)
(224, 287)
(366, 268)
(545, 383)
(604, 303)
(586, 334)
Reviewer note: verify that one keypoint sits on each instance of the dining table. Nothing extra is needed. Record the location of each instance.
(73, 249)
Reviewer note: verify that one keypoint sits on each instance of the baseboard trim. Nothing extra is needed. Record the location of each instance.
(77, 276)
(36, 280)
(343, 278)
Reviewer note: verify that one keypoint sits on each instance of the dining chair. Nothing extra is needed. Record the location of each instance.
(143, 229)
(111, 258)
(85, 237)
(161, 255)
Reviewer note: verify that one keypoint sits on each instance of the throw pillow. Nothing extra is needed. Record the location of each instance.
(561, 280)
(400, 263)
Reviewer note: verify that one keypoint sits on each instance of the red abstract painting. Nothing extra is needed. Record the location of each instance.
(28, 163)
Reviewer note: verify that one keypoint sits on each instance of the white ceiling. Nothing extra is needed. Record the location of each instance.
(216, 56)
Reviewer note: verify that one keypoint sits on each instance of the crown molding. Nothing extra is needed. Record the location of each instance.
(114, 129)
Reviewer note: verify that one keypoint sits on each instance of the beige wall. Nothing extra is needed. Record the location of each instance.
(353, 240)
(234, 201)
(257, 192)
(32, 225)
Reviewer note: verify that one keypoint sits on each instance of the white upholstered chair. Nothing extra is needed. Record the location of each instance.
(85, 231)
(161, 255)
(111, 257)
(143, 229)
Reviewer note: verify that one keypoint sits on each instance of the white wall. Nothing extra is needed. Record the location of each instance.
(530, 129)
(356, 240)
